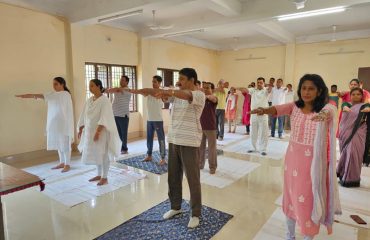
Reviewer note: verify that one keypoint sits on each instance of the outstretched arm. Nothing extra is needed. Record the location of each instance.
(243, 90)
(160, 93)
(212, 98)
(144, 91)
(218, 89)
(261, 111)
(115, 90)
(35, 96)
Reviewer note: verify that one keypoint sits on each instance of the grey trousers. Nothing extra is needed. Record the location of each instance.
(209, 135)
(184, 159)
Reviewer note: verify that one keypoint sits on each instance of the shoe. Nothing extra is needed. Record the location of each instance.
(147, 159)
(193, 222)
(263, 154)
(162, 162)
(220, 138)
(124, 152)
(250, 151)
(171, 213)
(212, 171)
(281, 137)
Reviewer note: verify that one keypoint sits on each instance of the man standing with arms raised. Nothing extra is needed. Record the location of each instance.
(278, 98)
(155, 124)
(121, 110)
(259, 124)
(221, 93)
(184, 137)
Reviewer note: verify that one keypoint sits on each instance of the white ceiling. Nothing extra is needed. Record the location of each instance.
(227, 24)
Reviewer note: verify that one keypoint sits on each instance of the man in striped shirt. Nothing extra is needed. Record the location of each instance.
(184, 137)
(121, 110)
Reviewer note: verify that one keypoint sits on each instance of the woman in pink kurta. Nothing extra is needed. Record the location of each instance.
(231, 109)
(306, 115)
(246, 111)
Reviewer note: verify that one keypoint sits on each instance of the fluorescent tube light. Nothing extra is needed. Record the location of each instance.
(311, 13)
(183, 33)
(119, 16)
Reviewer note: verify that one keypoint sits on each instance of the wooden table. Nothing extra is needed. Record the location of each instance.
(13, 180)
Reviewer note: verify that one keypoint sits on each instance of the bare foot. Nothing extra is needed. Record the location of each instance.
(147, 159)
(102, 181)
(97, 178)
(59, 166)
(66, 168)
(162, 162)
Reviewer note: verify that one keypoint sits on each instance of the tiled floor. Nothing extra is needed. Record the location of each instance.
(31, 215)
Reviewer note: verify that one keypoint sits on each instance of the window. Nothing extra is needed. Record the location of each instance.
(110, 75)
(170, 77)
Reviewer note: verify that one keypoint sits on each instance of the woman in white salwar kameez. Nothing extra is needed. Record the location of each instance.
(59, 125)
(100, 141)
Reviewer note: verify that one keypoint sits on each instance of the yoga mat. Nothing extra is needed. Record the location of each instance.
(276, 149)
(76, 189)
(151, 225)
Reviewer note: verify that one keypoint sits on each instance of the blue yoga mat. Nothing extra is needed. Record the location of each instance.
(152, 166)
(151, 225)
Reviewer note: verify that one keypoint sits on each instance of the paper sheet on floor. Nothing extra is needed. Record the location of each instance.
(275, 149)
(73, 188)
(230, 138)
(275, 229)
(228, 171)
(45, 172)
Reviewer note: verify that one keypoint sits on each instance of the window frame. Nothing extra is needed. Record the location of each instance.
(109, 83)
(166, 105)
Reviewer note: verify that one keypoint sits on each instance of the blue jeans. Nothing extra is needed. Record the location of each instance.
(220, 122)
(280, 125)
(122, 127)
(151, 127)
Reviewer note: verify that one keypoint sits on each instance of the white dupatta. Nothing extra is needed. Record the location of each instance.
(323, 174)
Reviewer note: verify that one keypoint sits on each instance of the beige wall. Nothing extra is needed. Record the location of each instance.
(35, 47)
(32, 52)
(90, 44)
(335, 69)
(292, 61)
(168, 54)
(242, 73)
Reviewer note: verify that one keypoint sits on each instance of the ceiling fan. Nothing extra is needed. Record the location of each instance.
(154, 25)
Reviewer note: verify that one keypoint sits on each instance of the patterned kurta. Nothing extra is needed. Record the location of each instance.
(297, 193)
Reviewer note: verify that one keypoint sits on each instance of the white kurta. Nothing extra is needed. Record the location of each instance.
(59, 125)
(95, 113)
(259, 124)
